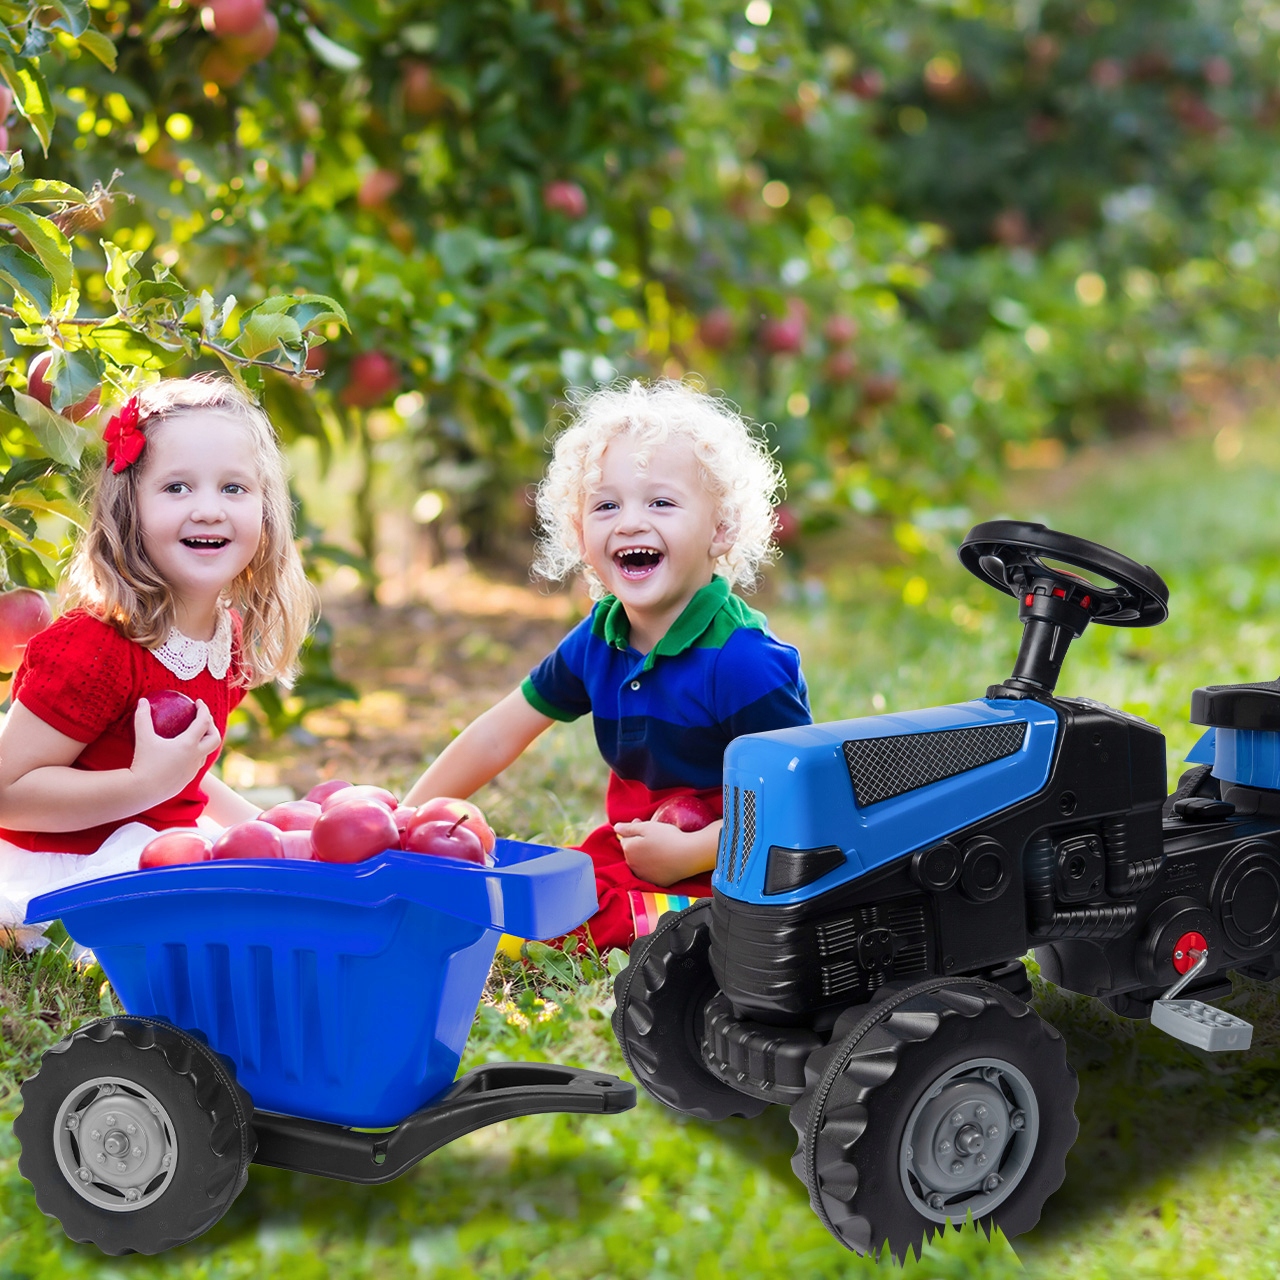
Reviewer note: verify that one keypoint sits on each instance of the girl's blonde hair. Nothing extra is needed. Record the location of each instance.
(111, 575)
(737, 469)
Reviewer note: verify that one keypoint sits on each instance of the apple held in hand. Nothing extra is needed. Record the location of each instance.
(363, 791)
(175, 848)
(354, 831)
(292, 815)
(252, 839)
(322, 790)
(448, 839)
(23, 614)
(449, 809)
(689, 813)
(171, 712)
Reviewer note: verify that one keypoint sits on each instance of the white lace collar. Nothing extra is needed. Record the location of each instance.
(187, 658)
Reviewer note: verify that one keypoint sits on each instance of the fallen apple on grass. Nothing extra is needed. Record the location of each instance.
(689, 813)
(253, 839)
(172, 712)
(354, 832)
(175, 848)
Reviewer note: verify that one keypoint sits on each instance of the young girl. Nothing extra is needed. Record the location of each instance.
(663, 498)
(188, 579)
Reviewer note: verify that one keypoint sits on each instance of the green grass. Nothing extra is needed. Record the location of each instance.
(1178, 1162)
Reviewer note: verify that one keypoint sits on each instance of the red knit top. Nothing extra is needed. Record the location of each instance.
(83, 678)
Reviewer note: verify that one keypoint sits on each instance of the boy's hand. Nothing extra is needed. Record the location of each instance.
(663, 854)
(163, 766)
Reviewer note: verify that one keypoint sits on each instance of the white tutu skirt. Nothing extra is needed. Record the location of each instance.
(25, 874)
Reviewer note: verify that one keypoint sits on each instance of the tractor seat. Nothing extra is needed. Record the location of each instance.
(1238, 706)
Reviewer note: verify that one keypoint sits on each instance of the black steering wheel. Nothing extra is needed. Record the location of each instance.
(1010, 556)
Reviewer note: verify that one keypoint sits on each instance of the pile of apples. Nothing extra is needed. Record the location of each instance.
(337, 822)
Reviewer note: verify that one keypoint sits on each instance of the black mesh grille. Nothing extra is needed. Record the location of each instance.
(881, 768)
(738, 836)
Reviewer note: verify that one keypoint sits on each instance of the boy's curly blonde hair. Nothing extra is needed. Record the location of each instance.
(111, 575)
(737, 468)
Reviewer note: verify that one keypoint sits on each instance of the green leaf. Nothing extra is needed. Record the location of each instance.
(21, 523)
(26, 276)
(30, 95)
(11, 167)
(24, 470)
(315, 309)
(63, 441)
(32, 500)
(330, 52)
(122, 273)
(50, 245)
(75, 16)
(99, 46)
(126, 346)
(263, 333)
(47, 190)
(75, 375)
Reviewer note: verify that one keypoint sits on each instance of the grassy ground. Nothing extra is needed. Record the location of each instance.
(1178, 1161)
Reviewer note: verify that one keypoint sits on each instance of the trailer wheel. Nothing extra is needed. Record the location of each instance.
(948, 1098)
(658, 1017)
(134, 1135)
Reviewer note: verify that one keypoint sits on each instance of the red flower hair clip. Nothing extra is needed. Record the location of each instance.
(123, 436)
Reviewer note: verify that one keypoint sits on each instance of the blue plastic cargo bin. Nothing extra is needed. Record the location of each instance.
(342, 993)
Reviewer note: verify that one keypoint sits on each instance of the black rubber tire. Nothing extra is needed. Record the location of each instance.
(210, 1114)
(863, 1087)
(659, 1001)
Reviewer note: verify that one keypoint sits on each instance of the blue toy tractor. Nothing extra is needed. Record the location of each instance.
(879, 879)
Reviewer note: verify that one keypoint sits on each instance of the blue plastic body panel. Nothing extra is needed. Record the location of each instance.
(1250, 757)
(342, 992)
(804, 798)
(1203, 751)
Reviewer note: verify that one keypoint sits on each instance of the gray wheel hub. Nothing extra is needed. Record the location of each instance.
(115, 1144)
(969, 1140)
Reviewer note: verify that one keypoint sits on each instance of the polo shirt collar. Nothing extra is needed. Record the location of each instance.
(615, 627)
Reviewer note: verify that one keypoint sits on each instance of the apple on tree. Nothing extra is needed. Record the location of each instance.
(252, 839)
(175, 848)
(40, 388)
(372, 377)
(567, 198)
(256, 43)
(231, 17)
(23, 613)
(689, 813)
(377, 188)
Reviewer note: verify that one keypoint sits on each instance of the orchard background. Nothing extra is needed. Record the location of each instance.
(947, 250)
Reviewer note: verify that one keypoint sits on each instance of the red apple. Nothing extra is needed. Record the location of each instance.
(422, 95)
(232, 17)
(786, 526)
(40, 388)
(256, 43)
(173, 848)
(783, 335)
(354, 831)
(297, 845)
(6, 102)
(403, 815)
(445, 839)
(689, 813)
(318, 793)
(293, 815)
(447, 809)
(4, 138)
(868, 83)
(841, 366)
(171, 712)
(222, 68)
(377, 188)
(23, 614)
(361, 792)
(879, 388)
(251, 839)
(373, 376)
(840, 330)
(565, 197)
(717, 328)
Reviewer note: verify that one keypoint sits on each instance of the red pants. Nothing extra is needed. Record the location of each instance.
(612, 925)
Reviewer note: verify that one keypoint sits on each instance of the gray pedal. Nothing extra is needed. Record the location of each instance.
(1199, 1024)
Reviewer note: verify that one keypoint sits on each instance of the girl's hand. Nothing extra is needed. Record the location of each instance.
(163, 766)
(663, 854)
